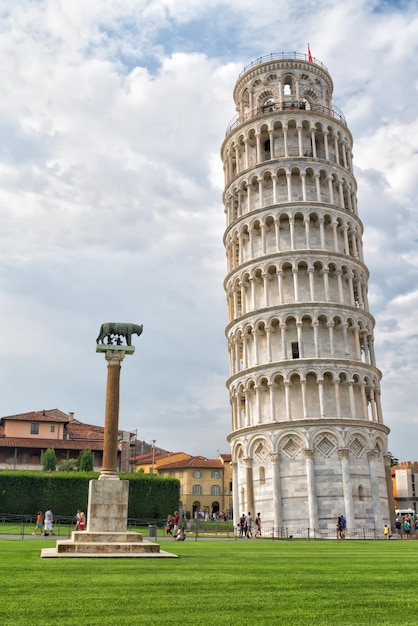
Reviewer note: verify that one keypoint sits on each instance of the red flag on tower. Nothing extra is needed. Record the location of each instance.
(310, 59)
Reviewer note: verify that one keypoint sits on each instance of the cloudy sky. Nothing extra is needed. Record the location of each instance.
(112, 113)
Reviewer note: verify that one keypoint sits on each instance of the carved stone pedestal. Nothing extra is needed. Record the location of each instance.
(106, 534)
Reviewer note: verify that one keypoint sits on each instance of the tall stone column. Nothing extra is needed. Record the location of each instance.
(374, 487)
(348, 496)
(277, 492)
(108, 496)
(235, 495)
(387, 460)
(310, 476)
(114, 356)
(249, 482)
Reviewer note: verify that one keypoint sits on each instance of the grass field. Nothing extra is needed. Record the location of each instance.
(317, 583)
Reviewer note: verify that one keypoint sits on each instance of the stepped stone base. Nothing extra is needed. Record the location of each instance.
(105, 544)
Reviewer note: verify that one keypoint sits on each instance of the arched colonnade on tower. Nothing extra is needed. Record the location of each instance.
(293, 183)
(304, 336)
(286, 138)
(310, 280)
(305, 392)
(296, 228)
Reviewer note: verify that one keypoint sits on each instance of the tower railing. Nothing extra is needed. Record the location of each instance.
(298, 106)
(282, 56)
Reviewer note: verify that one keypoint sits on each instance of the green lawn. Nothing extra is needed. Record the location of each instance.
(317, 583)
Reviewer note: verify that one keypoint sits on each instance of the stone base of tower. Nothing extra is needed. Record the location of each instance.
(302, 475)
(106, 534)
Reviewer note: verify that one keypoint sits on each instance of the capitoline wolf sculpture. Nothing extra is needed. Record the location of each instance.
(118, 330)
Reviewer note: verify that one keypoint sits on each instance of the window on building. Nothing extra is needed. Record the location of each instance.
(171, 473)
(197, 474)
(196, 490)
(52, 429)
(34, 429)
(215, 474)
(295, 350)
(216, 490)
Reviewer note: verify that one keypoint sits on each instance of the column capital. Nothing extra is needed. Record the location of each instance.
(344, 453)
(114, 355)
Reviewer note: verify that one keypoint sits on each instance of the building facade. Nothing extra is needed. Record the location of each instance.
(405, 485)
(205, 485)
(25, 437)
(308, 441)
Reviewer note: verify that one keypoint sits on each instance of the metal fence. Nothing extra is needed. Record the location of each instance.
(23, 526)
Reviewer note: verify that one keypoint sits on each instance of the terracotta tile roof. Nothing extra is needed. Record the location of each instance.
(53, 415)
(227, 458)
(62, 444)
(84, 431)
(146, 459)
(195, 461)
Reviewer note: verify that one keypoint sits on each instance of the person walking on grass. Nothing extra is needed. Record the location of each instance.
(249, 524)
(49, 520)
(39, 522)
(242, 525)
(386, 531)
(169, 525)
(257, 523)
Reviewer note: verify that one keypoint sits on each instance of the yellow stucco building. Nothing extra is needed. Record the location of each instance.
(205, 485)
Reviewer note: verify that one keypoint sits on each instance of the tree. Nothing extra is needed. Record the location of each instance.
(49, 460)
(85, 461)
(393, 460)
(70, 465)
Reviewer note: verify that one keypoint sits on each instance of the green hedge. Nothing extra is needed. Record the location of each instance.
(26, 493)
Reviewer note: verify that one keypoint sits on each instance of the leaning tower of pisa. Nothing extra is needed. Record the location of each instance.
(308, 441)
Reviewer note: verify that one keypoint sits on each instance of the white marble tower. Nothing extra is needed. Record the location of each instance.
(308, 440)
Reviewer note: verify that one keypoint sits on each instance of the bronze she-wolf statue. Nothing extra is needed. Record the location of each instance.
(110, 329)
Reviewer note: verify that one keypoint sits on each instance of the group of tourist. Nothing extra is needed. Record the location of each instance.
(45, 525)
(245, 526)
(405, 526)
(46, 522)
(173, 527)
